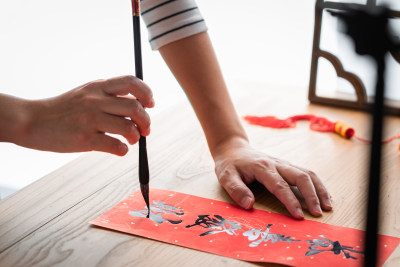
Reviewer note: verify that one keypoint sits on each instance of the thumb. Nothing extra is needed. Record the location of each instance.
(237, 189)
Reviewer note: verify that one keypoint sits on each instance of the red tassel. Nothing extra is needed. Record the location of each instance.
(270, 121)
(318, 124)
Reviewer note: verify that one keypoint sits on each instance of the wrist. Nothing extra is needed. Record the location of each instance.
(227, 144)
(11, 118)
(22, 120)
(16, 117)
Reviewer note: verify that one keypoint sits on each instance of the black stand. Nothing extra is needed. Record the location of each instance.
(368, 27)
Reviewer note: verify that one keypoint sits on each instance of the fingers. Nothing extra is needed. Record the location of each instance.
(273, 181)
(239, 192)
(322, 193)
(118, 125)
(128, 85)
(105, 143)
(310, 186)
(304, 183)
(125, 107)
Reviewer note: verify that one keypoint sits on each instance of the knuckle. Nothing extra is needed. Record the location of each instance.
(234, 189)
(223, 176)
(303, 177)
(129, 128)
(131, 131)
(314, 201)
(88, 100)
(85, 119)
(82, 137)
(135, 108)
(264, 165)
(280, 187)
(94, 85)
(130, 80)
(311, 173)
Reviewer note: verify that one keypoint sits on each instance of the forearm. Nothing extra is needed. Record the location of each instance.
(13, 118)
(194, 64)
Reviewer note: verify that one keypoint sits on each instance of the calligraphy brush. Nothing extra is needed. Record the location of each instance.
(143, 163)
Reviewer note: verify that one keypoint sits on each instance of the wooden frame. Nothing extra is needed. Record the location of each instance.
(361, 102)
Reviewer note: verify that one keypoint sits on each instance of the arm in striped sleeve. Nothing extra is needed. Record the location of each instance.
(171, 20)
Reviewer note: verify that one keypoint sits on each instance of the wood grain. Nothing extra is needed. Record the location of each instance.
(46, 223)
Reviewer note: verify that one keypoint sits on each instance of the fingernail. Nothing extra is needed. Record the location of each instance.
(152, 103)
(328, 203)
(246, 202)
(124, 148)
(299, 212)
(318, 209)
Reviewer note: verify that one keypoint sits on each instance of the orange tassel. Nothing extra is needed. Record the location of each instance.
(344, 130)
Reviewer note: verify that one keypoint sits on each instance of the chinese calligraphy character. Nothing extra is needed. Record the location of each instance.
(219, 224)
(266, 236)
(333, 246)
(156, 212)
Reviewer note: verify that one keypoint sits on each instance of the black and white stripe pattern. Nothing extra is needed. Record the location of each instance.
(171, 20)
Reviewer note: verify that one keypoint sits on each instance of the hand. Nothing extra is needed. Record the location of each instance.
(237, 165)
(80, 119)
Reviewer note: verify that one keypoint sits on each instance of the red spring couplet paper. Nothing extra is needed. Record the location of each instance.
(228, 230)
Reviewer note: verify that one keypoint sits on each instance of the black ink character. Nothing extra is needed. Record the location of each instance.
(218, 223)
(333, 246)
(266, 236)
(156, 212)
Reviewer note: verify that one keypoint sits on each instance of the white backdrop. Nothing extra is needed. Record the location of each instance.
(50, 46)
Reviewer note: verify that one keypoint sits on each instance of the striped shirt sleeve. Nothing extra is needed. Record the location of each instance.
(171, 20)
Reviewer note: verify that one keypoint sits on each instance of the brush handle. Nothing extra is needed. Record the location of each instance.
(138, 47)
(143, 162)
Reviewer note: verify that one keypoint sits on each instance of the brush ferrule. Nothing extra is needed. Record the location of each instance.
(135, 8)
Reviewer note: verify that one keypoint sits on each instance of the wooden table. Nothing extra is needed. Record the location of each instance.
(46, 223)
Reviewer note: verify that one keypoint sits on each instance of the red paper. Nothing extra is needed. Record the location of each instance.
(228, 230)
